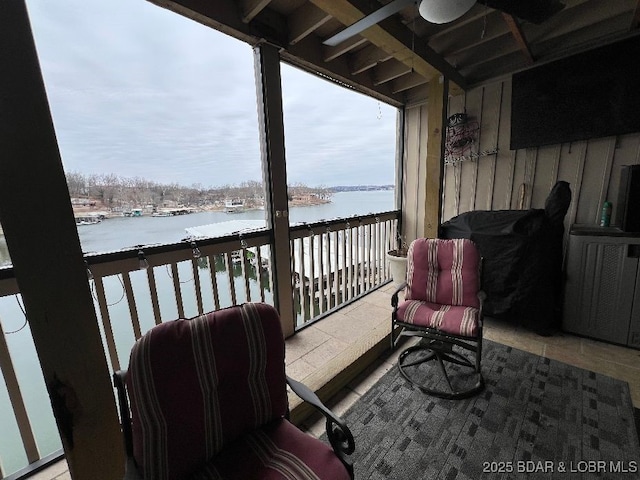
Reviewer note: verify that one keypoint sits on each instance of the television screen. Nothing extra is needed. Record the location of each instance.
(589, 95)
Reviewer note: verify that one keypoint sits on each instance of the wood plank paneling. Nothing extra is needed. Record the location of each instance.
(489, 123)
(469, 169)
(571, 155)
(627, 152)
(546, 174)
(505, 159)
(515, 178)
(519, 187)
(451, 190)
(593, 175)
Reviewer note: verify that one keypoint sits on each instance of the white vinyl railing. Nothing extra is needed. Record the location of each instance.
(335, 262)
(332, 264)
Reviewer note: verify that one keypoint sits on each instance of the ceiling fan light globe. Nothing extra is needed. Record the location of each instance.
(444, 11)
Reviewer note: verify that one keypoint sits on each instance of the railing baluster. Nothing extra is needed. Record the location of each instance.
(377, 252)
(106, 323)
(232, 283)
(352, 264)
(312, 275)
(177, 290)
(245, 274)
(336, 270)
(356, 261)
(371, 257)
(260, 272)
(330, 272)
(131, 301)
(343, 271)
(17, 401)
(214, 281)
(297, 257)
(360, 264)
(197, 286)
(385, 249)
(295, 280)
(153, 291)
(320, 256)
(365, 260)
(365, 264)
(304, 284)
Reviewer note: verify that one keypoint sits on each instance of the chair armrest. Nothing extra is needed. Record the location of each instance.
(131, 471)
(482, 297)
(338, 433)
(394, 295)
(119, 380)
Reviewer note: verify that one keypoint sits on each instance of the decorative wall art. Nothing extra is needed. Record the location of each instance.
(461, 137)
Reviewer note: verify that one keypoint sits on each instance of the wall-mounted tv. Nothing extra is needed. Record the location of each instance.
(589, 95)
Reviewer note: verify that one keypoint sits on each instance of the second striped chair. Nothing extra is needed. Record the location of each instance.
(443, 306)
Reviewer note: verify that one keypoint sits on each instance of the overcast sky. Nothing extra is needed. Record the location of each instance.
(139, 91)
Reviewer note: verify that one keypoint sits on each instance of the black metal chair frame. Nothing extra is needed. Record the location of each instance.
(438, 346)
(338, 433)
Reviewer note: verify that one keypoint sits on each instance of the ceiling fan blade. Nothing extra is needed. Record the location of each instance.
(368, 21)
(534, 11)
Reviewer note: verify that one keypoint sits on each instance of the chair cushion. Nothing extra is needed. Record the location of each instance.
(278, 451)
(456, 320)
(443, 271)
(196, 385)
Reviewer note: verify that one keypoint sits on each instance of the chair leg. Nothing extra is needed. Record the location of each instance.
(429, 349)
(444, 371)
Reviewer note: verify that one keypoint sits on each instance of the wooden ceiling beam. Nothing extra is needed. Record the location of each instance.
(331, 53)
(304, 20)
(251, 8)
(519, 37)
(392, 36)
(460, 39)
(368, 57)
(388, 71)
(565, 22)
(307, 54)
(407, 82)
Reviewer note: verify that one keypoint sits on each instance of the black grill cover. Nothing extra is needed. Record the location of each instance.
(522, 259)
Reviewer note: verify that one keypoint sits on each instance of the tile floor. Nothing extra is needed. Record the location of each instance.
(345, 335)
(612, 360)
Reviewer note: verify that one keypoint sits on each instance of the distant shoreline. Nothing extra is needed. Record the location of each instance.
(97, 209)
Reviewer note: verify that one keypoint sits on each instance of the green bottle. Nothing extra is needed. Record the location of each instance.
(605, 219)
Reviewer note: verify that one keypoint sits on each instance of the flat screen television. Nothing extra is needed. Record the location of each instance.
(589, 95)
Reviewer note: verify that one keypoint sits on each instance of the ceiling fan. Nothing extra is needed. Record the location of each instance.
(445, 11)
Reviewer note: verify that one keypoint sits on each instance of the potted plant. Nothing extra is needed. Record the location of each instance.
(398, 262)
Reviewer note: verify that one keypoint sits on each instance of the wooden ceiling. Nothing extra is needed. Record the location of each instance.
(394, 59)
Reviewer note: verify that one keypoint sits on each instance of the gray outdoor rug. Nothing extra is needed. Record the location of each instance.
(537, 419)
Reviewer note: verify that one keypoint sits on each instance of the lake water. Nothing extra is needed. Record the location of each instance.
(124, 232)
(116, 234)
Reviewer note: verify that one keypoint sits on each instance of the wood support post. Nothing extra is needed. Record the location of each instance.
(437, 117)
(269, 96)
(38, 223)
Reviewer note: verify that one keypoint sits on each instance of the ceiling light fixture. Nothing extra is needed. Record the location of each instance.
(444, 11)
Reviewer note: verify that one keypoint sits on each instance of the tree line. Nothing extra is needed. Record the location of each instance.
(117, 192)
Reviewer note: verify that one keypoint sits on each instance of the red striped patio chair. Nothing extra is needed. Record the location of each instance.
(208, 400)
(443, 306)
